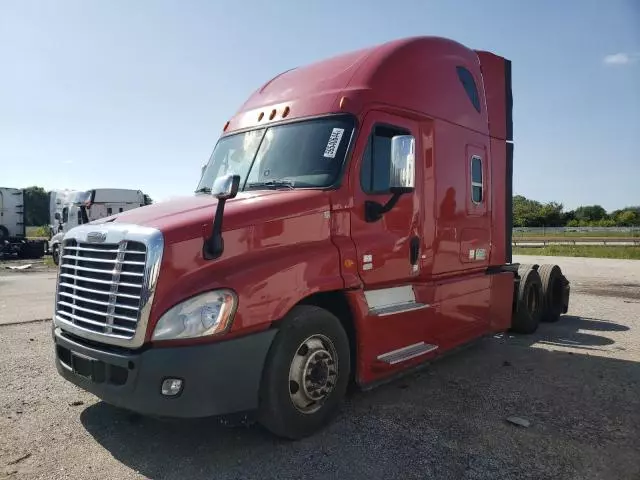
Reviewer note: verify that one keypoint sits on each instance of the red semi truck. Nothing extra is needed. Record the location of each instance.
(352, 224)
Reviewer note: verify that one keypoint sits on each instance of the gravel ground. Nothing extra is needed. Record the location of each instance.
(577, 382)
(26, 296)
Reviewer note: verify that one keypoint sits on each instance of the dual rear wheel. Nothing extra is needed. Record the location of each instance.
(539, 297)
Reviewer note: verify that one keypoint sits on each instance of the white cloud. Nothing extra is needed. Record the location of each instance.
(68, 162)
(621, 58)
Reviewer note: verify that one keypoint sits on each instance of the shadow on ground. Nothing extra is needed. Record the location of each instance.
(448, 421)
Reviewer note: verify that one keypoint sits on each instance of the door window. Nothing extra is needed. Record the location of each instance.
(375, 173)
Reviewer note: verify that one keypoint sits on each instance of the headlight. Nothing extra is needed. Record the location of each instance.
(205, 314)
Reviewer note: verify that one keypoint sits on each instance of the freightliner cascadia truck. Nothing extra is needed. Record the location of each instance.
(352, 223)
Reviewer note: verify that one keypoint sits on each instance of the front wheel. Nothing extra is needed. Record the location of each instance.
(306, 373)
(55, 254)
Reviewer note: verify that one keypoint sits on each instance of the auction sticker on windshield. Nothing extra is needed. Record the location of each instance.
(333, 143)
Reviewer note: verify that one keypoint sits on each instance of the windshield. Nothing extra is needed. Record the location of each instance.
(79, 197)
(302, 154)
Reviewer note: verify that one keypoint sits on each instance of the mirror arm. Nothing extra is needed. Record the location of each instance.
(373, 211)
(214, 245)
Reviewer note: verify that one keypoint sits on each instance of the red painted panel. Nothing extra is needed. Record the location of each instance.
(459, 224)
(379, 335)
(493, 72)
(386, 240)
(498, 207)
(461, 309)
(502, 286)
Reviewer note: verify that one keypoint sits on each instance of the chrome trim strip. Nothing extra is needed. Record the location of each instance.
(95, 280)
(97, 302)
(91, 322)
(400, 308)
(117, 233)
(101, 260)
(407, 353)
(101, 292)
(386, 297)
(97, 270)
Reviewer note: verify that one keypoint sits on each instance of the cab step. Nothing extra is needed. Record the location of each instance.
(406, 353)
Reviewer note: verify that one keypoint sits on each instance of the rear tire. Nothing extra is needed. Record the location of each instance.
(552, 286)
(308, 360)
(529, 311)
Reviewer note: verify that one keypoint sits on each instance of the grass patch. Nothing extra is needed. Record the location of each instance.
(37, 232)
(551, 233)
(591, 251)
(48, 261)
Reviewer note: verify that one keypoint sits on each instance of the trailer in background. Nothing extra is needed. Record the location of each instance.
(13, 238)
(72, 208)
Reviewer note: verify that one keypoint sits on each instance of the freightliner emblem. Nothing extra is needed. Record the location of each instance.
(96, 237)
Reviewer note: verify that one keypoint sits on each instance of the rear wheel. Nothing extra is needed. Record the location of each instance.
(552, 289)
(530, 303)
(306, 373)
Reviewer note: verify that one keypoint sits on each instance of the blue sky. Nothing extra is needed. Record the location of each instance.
(116, 93)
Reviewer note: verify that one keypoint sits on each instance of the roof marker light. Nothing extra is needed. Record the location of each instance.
(285, 112)
(260, 116)
(273, 114)
(343, 100)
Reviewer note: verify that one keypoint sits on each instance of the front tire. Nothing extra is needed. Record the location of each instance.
(306, 373)
(55, 254)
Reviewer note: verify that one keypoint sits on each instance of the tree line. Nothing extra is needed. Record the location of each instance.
(531, 213)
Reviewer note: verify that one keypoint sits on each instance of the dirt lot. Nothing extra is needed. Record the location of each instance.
(577, 382)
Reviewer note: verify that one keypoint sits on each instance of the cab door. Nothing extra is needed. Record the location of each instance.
(386, 244)
(385, 228)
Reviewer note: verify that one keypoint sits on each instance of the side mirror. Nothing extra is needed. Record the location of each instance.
(226, 187)
(56, 216)
(403, 162)
(402, 171)
(223, 189)
(202, 169)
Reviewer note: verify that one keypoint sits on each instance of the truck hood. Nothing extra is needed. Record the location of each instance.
(191, 217)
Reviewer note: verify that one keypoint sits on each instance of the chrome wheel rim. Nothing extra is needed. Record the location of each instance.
(313, 373)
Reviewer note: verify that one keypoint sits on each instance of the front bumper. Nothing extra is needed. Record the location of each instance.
(218, 379)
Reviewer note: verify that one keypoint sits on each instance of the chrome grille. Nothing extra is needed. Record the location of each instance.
(100, 286)
(107, 281)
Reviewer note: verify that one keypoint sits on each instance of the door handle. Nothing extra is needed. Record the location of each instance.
(414, 250)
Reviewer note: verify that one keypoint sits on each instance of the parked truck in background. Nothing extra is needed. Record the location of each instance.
(58, 199)
(13, 238)
(72, 208)
(352, 224)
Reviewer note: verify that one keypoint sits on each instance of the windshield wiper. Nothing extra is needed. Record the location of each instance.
(203, 190)
(271, 184)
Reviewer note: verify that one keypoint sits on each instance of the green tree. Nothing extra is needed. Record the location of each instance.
(551, 215)
(627, 217)
(36, 206)
(531, 213)
(590, 213)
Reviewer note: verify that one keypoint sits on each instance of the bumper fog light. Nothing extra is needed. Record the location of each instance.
(171, 387)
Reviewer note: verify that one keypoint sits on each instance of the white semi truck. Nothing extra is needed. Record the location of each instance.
(72, 208)
(13, 238)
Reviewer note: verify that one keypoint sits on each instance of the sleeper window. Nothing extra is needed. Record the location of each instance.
(476, 180)
(469, 84)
